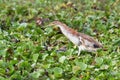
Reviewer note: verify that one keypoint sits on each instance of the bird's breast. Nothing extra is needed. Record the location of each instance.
(74, 39)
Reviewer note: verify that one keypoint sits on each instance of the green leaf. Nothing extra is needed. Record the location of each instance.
(104, 67)
(2, 78)
(16, 76)
(3, 52)
(46, 66)
(62, 59)
(44, 56)
(75, 69)
(82, 65)
(58, 71)
(48, 30)
(35, 57)
(117, 42)
(99, 60)
(2, 71)
(37, 74)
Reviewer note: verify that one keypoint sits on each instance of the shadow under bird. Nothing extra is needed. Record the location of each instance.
(83, 41)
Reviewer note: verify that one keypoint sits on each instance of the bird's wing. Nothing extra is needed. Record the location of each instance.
(89, 41)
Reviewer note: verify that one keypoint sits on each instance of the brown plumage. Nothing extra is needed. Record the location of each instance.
(83, 41)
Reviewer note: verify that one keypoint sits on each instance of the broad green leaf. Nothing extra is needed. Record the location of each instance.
(99, 60)
(35, 57)
(58, 71)
(2, 71)
(2, 78)
(16, 75)
(75, 69)
(82, 65)
(62, 59)
(48, 30)
(104, 67)
(37, 74)
(46, 66)
(44, 56)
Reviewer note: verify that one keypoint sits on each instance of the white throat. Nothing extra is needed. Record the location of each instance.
(69, 35)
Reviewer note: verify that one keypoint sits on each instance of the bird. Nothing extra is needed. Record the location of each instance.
(83, 41)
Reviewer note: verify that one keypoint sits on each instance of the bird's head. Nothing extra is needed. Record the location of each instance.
(56, 24)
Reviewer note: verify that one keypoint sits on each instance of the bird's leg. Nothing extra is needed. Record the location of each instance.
(79, 50)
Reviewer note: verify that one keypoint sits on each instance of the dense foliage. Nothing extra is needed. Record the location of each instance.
(32, 51)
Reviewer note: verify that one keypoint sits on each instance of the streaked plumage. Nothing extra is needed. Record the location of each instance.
(83, 41)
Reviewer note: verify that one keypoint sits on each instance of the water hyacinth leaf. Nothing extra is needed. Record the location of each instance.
(35, 57)
(82, 65)
(16, 75)
(58, 71)
(38, 73)
(117, 42)
(48, 30)
(11, 69)
(35, 74)
(75, 69)
(2, 78)
(2, 71)
(104, 67)
(22, 26)
(3, 52)
(44, 56)
(62, 59)
(99, 60)
(46, 66)
(24, 64)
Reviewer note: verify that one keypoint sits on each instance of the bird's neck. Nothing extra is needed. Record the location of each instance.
(66, 30)
(69, 33)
